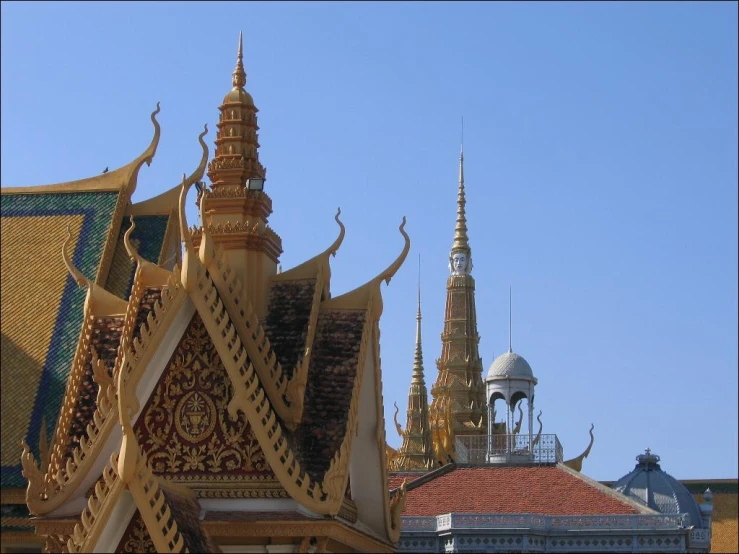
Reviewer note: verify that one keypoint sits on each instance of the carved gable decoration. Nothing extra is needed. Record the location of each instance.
(136, 537)
(185, 429)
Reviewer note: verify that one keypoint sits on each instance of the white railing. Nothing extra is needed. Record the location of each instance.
(446, 522)
(480, 449)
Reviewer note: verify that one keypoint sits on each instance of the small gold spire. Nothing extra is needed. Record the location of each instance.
(461, 242)
(239, 75)
(417, 378)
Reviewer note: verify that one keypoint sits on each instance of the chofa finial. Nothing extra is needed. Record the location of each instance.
(239, 75)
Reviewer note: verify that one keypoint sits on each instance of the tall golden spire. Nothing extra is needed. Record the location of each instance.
(239, 75)
(461, 241)
(459, 406)
(417, 450)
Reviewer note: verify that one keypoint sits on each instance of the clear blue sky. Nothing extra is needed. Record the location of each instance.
(601, 172)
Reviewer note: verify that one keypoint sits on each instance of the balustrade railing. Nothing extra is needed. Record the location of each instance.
(451, 521)
(480, 449)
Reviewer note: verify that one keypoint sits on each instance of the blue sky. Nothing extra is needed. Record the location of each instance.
(601, 172)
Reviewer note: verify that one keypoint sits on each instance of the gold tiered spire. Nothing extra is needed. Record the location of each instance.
(461, 241)
(458, 406)
(236, 208)
(237, 155)
(417, 452)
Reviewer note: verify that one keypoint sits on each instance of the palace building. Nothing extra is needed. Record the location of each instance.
(172, 400)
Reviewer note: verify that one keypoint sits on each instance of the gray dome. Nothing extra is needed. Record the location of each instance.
(510, 365)
(651, 486)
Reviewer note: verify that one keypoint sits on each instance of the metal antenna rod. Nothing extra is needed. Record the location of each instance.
(510, 311)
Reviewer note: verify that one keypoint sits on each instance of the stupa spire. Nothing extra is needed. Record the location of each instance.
(417, 450)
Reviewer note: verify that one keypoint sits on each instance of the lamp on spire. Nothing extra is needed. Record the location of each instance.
(255, 183)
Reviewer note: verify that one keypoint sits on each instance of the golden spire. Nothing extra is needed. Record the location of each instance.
(239, 75)
(461, 242)
(417, 378)
(237, 144)
(417, 450)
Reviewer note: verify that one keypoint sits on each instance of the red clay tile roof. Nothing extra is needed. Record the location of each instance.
(545, 490)
(286, 324)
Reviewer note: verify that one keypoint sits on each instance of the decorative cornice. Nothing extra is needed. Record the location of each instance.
(331, 528)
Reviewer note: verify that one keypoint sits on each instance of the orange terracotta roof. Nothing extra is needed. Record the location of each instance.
(546, 490)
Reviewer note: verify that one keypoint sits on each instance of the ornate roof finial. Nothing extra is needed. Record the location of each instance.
(417, 378)
(239, 75)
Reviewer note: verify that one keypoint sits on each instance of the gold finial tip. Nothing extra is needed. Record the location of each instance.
(239, 75)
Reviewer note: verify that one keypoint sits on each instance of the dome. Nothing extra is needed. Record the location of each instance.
(238, 95)
(651, 486)
(510, 365)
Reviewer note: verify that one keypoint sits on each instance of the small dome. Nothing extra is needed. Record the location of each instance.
(238, 95)
(510, 365)
(651, 486)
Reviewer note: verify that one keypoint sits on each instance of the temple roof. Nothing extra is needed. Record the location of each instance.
(545, 490)
(41, 306)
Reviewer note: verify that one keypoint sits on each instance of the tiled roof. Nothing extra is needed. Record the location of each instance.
(331, 374)
(394, 480)
(105, 338)
(286, 324)
(150, 297)
(546, 490)
(186, 513)
(42, 310)
(147, 239)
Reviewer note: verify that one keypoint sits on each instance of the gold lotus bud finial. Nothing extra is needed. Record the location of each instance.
(239, 75)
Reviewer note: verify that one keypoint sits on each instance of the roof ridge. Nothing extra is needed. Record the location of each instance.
(431, 475)
(122, 179)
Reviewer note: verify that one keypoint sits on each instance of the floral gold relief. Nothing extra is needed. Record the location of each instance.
(185, 429)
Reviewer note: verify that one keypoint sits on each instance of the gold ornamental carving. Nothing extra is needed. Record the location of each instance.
(195, 417)
(186, 431)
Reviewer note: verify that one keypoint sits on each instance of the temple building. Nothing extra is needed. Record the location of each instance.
(195, 399)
